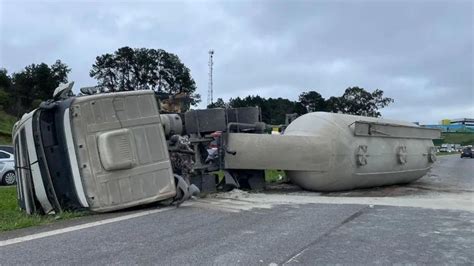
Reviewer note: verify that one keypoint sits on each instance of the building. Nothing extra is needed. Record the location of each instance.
(463, 121)
(465, 125)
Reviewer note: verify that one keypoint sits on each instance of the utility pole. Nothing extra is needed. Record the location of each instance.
(210, 99)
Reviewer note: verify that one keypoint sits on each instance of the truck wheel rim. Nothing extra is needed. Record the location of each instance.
(10, 178)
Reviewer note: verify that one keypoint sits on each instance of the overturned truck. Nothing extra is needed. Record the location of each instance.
(111, 151)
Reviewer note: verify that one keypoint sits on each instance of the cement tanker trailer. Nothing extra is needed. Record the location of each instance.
(105, 152)
(331, 152)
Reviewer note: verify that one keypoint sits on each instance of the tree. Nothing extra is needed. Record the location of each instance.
(5, 88)
(333, 104)
(274, 110)
(358, 101)
(218, 104)
(32, 85)
(312, 101)
(277, 108)
(5, 80)
(139, 69)
(355, 101)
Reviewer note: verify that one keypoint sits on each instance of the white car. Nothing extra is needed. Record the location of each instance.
(7, 168)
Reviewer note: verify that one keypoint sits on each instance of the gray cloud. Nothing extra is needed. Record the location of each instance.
(419, 52)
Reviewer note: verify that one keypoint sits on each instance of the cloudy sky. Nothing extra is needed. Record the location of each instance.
(419, 52)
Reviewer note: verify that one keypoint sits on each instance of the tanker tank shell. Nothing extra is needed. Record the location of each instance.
(363, 151)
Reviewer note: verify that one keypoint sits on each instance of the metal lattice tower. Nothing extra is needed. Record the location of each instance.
(210, 99)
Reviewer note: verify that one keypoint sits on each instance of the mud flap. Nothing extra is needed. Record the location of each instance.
(183, 190)
(230, 182)
(206, 183)
(249, 179)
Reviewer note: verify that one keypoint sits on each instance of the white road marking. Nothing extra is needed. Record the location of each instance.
(17, 240)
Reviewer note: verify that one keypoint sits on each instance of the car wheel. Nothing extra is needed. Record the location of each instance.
(9, 178)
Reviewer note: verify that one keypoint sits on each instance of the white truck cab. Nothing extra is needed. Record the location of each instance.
(101, 152)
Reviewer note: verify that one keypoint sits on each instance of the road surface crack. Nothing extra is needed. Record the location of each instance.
(352, 217)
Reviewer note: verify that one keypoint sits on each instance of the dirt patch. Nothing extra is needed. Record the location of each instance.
(233, 194)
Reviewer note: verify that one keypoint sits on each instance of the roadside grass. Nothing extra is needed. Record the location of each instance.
(272, 176)
(463, 138)
(6, 124)
(5, 139)
(12, 218)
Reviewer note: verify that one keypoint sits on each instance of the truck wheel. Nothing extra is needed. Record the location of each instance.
(9, 178)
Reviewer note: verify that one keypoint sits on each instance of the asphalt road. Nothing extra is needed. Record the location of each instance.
(281, 227)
